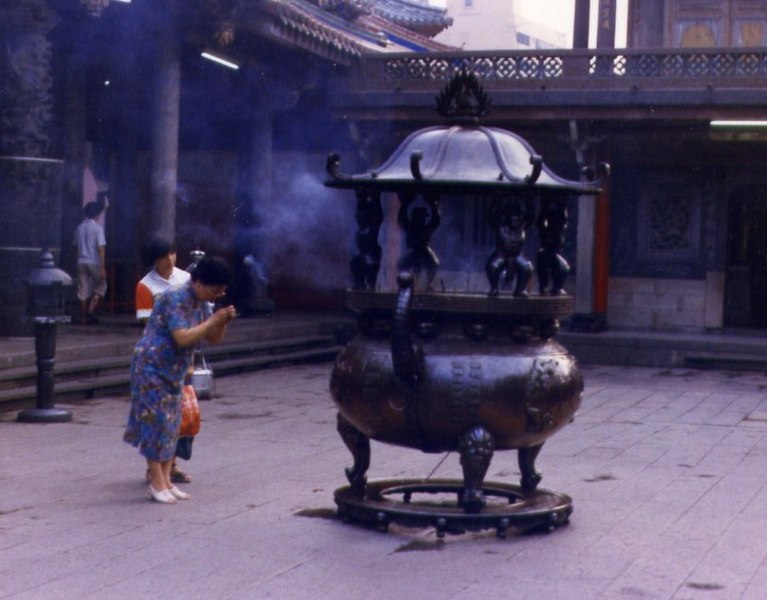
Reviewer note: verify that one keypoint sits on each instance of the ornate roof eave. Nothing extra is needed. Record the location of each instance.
(407, 36)
(425, 19)
(336, 51)
(301, 24)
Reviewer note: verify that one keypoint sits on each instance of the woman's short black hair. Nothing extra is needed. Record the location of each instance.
(212, 270)
(156, 249)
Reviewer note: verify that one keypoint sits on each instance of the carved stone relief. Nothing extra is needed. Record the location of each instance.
(25, 96)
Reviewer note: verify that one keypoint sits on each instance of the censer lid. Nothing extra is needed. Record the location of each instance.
(463, 156)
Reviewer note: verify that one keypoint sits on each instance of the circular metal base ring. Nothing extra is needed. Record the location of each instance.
(44, 415)
(425, 503)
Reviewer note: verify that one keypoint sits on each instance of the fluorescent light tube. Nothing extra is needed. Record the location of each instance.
(221, 61)
(738, 124)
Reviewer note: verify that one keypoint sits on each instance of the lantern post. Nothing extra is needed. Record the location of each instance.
(46, 307)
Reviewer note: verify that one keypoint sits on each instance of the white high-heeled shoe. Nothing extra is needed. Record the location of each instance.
(161, 496)
(178, 494)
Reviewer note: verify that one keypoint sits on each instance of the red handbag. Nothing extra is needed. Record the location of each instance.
(190, 412)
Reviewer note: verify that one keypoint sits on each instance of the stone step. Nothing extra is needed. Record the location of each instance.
(744, 351)
(220, 352)
(26, 375)
(726, 362)
(239, 365)
(88, 378)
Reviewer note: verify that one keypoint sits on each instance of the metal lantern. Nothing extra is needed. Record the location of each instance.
(46, 305)
(46, 291)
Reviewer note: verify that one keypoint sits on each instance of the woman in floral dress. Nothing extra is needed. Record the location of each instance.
(160, 361)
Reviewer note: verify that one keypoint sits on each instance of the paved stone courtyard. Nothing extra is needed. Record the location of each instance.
(665, 468)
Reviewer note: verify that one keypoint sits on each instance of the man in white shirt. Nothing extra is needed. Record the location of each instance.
(91, 260)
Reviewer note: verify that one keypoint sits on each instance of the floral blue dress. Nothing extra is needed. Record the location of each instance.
(158, 368)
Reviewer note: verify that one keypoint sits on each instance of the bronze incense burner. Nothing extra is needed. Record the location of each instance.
(445, 371)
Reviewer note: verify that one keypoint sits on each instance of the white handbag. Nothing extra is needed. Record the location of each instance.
(202, 378)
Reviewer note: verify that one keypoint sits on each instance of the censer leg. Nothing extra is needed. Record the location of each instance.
(359, 446)
(530, 477)
(476, 447)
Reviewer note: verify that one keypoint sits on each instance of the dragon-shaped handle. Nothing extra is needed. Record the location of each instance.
(406, 358)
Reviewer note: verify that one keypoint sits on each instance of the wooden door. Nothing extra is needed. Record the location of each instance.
(715, 23)
(745, 293)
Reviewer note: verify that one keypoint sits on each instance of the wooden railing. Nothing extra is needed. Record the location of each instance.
(721, 67)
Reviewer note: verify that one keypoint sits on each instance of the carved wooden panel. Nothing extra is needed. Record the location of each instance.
(669, 220)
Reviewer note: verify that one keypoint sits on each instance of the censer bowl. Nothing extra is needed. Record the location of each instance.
(520, 393)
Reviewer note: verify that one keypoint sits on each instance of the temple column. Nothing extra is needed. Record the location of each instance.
(593, 241)
(254, 195)
(593, 246)
(584, 269)
(601, 222)
(30, 194)
(601, 256)
(606, 24)
(124, 235)
(73, 145)
(165, 111)
(581, 24)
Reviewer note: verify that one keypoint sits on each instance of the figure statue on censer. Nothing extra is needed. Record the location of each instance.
(367, 263)
(552, 267)
(509, 220)
(419, 223)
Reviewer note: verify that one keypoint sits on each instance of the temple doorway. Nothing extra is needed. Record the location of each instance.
(745, 302)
